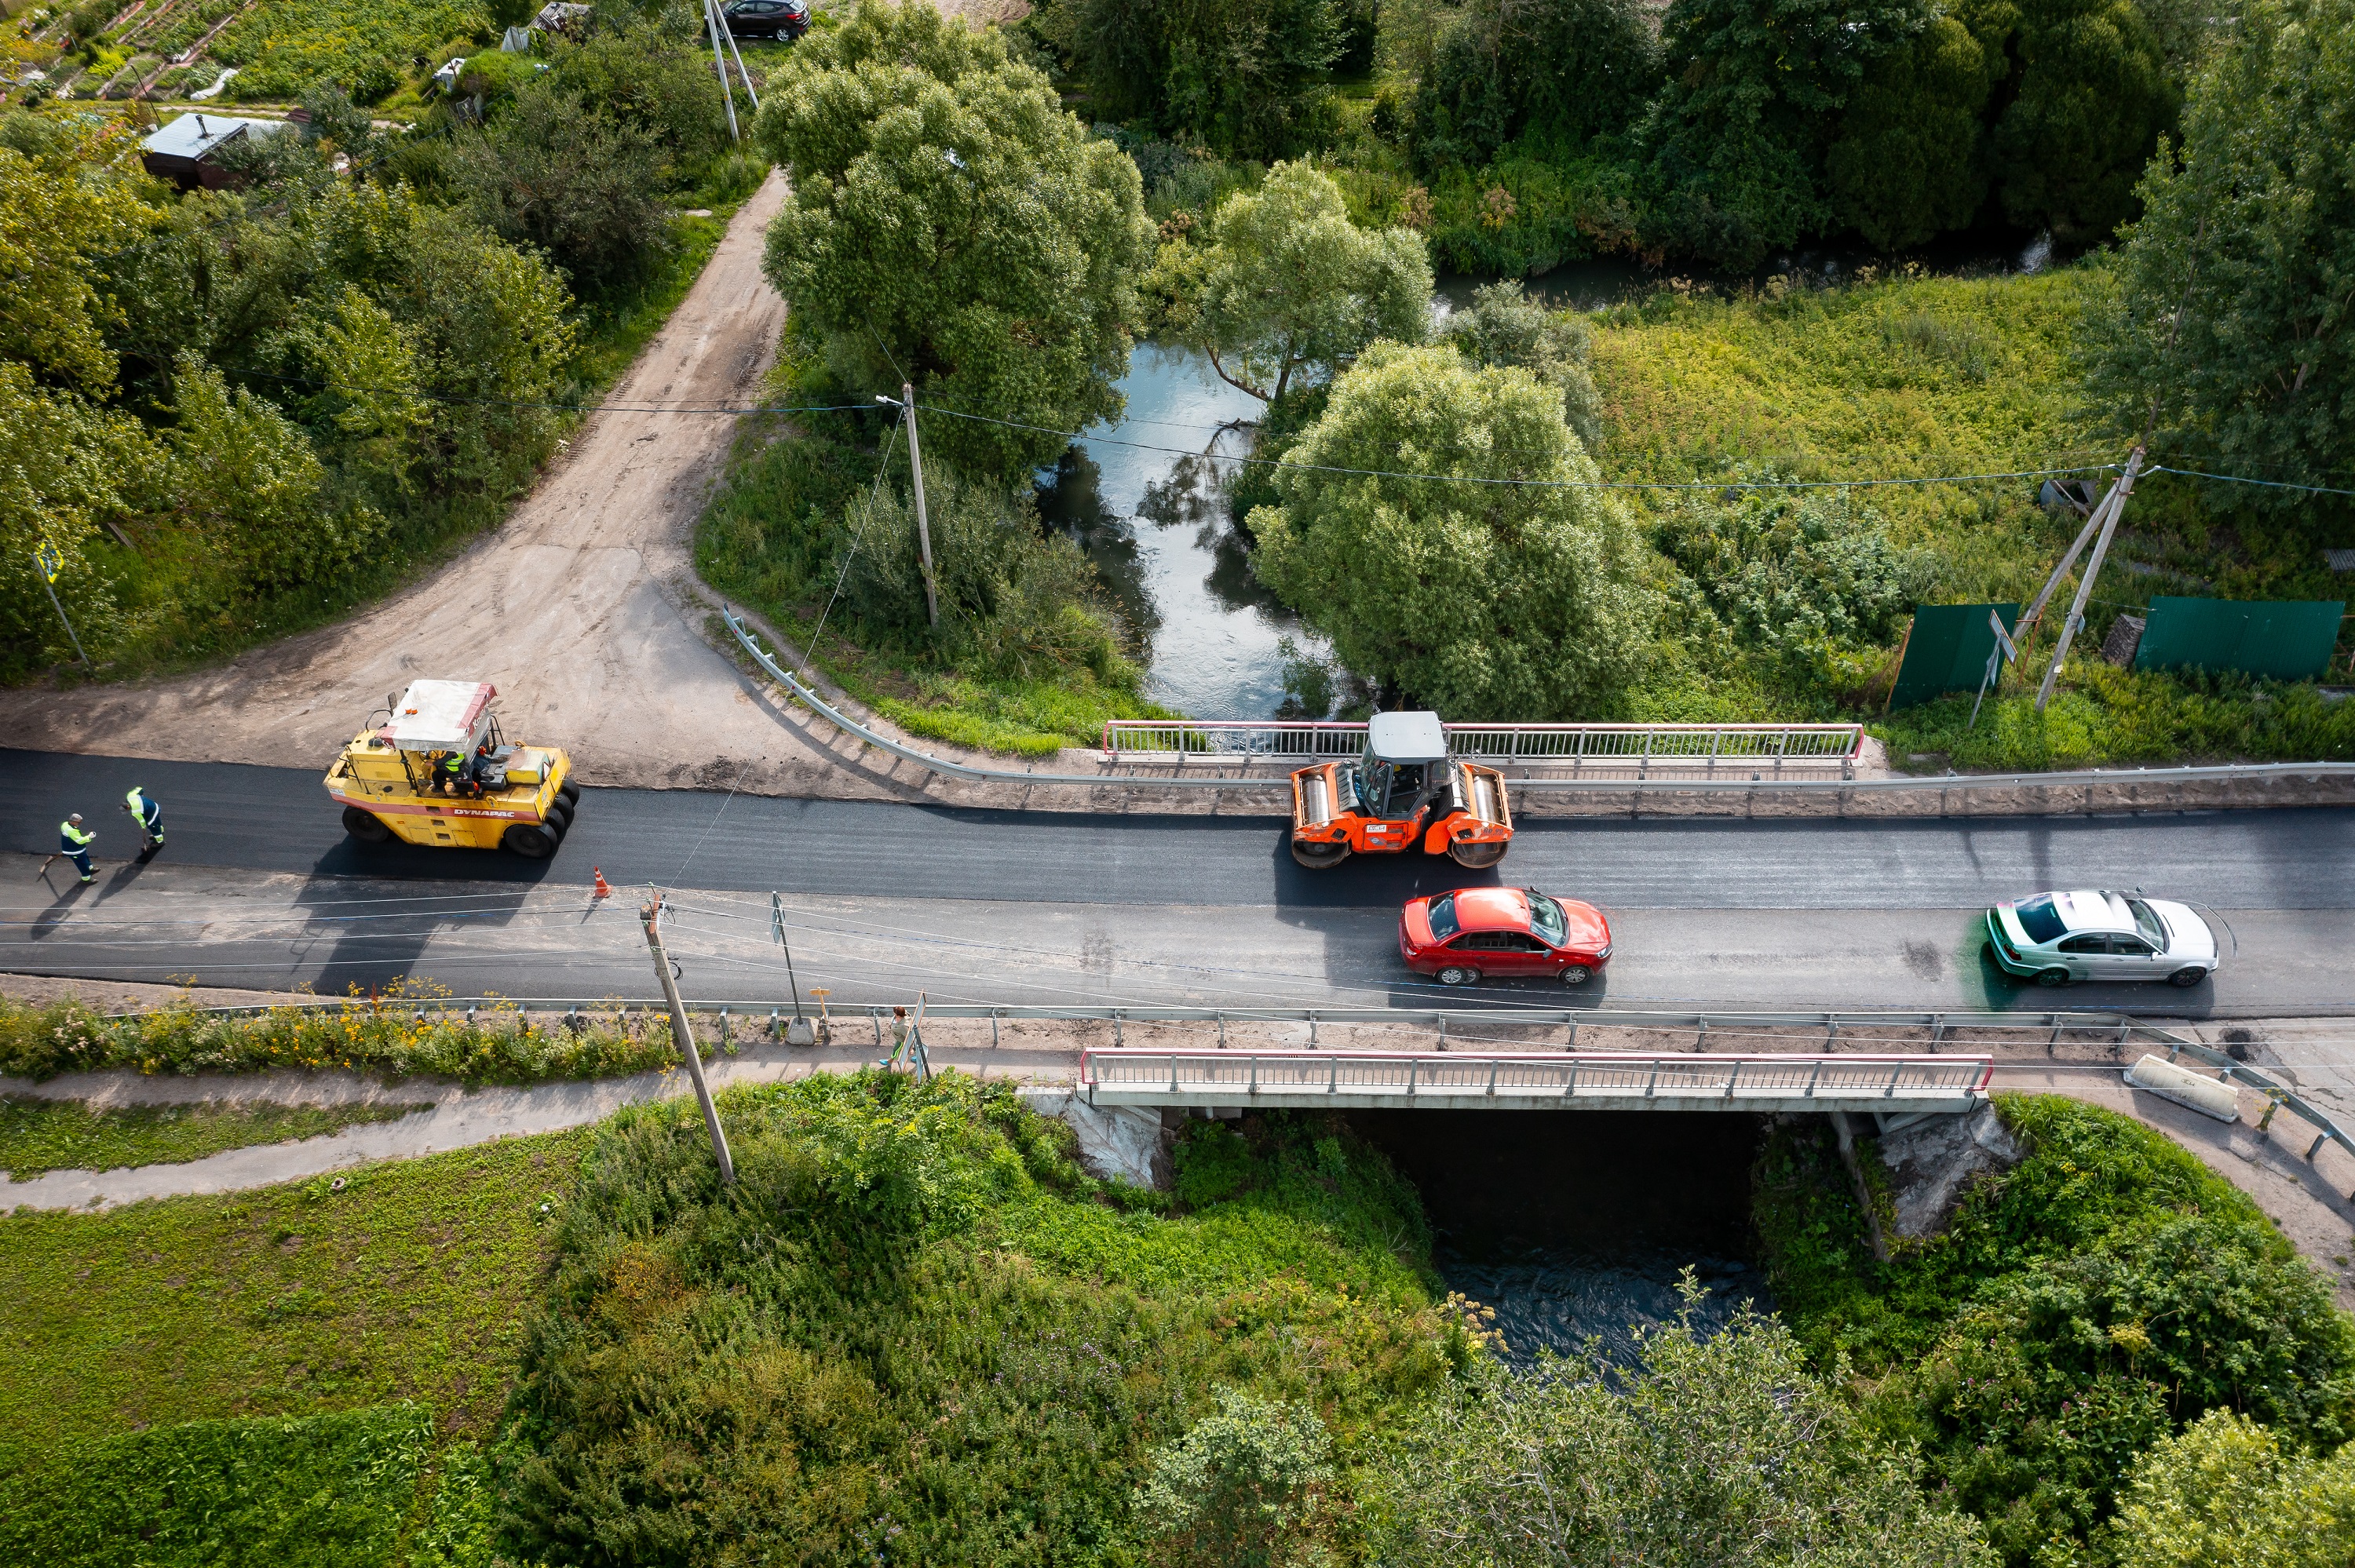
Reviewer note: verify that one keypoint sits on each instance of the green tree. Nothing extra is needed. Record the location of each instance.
(1491, 588)
(1713, 1451)
(67, 470)
(2089, 95)
(950, 223)
(2227, 1493)
(1246, 76)
(2237, 285)
(581, 187)
(1556, 73)
(251, 483)
(1242, 1489)
(56, 218)
(1910, 160)
(1291, 286)
(1731, 149)
(1504, 326)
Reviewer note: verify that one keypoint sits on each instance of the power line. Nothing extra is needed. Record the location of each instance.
(2237, 479)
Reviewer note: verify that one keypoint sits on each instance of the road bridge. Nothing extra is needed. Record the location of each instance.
(1893, 1087)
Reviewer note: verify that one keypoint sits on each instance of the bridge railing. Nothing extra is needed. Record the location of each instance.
(1892, 1083)
(1750, 745)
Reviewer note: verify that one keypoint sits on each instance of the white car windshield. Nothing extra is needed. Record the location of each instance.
(2146, 921)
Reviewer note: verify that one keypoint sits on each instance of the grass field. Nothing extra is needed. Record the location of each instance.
(409, 1283)
(66, 1135)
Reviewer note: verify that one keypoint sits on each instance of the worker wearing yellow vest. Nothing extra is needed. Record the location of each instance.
(148, 815)
(74, 845)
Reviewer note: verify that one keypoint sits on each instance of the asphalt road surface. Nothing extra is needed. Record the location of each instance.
(259, 886)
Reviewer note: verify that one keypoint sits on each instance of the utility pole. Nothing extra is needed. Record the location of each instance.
(797, 1033)
(923, 528)
(650, 913)
(2070, 628)
(727, 94)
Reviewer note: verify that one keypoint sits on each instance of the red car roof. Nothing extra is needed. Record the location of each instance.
(1492, 909)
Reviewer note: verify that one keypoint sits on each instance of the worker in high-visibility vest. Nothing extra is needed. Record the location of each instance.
(74, 845)
(148, 814)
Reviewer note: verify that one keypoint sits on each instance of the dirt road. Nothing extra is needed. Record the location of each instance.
(577, 608)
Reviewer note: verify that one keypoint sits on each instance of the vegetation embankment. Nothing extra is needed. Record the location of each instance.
(37, 1135)
(2109, 1351)
(915, 1331)
(376, 1035)
(235, 414)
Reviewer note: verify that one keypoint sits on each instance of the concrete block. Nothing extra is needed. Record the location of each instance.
(1126, 1143)
(2186, 1087)
(1933, 1161)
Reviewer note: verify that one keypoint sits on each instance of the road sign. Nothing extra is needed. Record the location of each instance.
(47, 559)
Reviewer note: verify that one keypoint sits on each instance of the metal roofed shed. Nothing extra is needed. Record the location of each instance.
(440, 716)
(1406, 738)
(185, 151)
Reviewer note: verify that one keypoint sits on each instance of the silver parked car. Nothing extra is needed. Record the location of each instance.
(2055, 938)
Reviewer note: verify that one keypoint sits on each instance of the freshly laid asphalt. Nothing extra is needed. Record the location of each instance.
(259, 886)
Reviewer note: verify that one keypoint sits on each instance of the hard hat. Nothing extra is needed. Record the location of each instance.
(73, 816)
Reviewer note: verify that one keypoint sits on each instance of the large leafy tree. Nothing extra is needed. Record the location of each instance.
(1552, 72)
(56, 215)
(950, 223)
(2231, 327)
(1733, 147)
(1485, 600)
(1718, 1449)
(1290, 288)
(1246, 76)
(2089, 95)
(1908, 163)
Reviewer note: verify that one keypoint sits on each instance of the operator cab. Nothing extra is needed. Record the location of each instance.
(1405, 767)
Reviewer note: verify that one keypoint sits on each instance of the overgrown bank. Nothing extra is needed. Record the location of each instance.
(916, 1332)
(2077, 1357)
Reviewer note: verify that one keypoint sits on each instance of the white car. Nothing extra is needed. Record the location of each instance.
(2056, 937)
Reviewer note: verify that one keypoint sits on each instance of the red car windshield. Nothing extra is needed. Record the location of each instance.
(1444, 923)
(1548, 918)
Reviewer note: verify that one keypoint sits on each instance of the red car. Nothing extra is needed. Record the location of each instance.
(1503, 933)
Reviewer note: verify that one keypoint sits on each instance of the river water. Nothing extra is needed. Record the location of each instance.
(1575, 1226)
(1143, 497)
(1144, 500)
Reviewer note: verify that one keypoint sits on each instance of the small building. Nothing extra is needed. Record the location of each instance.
(186, 151)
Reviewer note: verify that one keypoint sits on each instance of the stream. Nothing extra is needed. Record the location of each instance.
(1143, 499)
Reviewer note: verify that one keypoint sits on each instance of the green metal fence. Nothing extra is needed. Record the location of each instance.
(1947, 650)
(2290, 640)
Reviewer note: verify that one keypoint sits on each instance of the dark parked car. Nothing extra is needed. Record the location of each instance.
(786, 19)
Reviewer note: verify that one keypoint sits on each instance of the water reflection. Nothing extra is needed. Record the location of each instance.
(1145, 501)
(1560, 1298)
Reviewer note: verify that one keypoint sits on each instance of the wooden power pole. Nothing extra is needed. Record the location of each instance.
(923, 528)
(2113, 507)
(685, 1039)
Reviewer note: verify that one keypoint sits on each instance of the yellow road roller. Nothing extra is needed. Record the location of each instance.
(432, 767)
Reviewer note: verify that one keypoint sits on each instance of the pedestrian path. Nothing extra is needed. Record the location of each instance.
(458, 1118)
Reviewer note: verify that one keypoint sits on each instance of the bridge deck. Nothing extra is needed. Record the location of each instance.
(1469, 1080)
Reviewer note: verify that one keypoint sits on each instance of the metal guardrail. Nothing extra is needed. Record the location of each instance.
(2120, 1027)
(2134, 780)
(1892, 1086)
(1703, 744)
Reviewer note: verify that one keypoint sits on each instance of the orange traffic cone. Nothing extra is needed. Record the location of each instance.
(604, 890)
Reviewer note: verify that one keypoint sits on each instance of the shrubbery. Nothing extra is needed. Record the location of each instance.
(915, 1331)
(361, 1035)
(2108, 1291)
